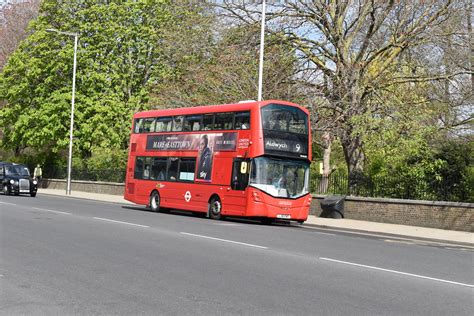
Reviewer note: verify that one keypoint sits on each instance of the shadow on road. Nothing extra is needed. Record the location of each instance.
(240, 220)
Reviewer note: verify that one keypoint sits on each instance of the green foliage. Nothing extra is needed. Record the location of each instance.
(413, 168)
(455, 171)
(107, 159)
(119, 55)
(442, 173)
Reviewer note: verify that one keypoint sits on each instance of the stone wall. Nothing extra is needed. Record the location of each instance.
(443, 215)
(86, 186)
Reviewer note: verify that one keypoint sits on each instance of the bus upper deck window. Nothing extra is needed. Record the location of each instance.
(298, 123)
(224, 121)
(148, 125)
(208, 122)
(192, 123)
(163, 124)
(242, 120)
(178, 123)
(283, 118)
(138, 125)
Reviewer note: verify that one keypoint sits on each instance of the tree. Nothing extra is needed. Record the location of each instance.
(224, 68)
(14, 19)
(454, 94)
(118, 57)
(355, 48)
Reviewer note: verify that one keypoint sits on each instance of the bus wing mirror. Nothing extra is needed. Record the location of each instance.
(243, 167)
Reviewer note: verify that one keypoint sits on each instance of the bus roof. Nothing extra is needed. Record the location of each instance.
(241, 106)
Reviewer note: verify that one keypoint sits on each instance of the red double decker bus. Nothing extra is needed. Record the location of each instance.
(247, 159)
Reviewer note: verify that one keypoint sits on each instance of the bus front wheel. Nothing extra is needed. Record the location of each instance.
(215, 208)
(155, 201)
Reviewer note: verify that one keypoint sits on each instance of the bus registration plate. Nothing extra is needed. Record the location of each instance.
(285, 216)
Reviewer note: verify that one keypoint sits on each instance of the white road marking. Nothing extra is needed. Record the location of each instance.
(224, 240)
(320, 233)
(416, 241)
(421, 242)
(461, 249)
(397, 272)
(7, 203)
(354, 233)
(45, 210)
(225, 224)
(406, 242)
(114, 221)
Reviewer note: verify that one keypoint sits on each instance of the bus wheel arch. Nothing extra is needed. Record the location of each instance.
(155, 200)
(215, 207)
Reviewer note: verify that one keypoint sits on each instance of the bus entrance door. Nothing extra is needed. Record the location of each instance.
(236, 196)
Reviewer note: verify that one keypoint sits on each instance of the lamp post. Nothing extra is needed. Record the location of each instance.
(69, 163)
(262, 42)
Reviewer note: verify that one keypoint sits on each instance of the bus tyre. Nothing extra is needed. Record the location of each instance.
(6, 191)
(155, 201)
(215, 208)
(33, 194)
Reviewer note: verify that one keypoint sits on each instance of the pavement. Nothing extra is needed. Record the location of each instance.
(346, 225)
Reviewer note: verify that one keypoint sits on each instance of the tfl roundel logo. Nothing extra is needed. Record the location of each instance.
(187, 196)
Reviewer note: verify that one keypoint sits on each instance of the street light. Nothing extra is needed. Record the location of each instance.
(69, 163)
(262, 42)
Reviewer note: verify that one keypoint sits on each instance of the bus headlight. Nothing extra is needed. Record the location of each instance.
(35, 182)
(12, 181)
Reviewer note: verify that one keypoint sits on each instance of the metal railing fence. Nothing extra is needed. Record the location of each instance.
(105, 175)
(395, 186)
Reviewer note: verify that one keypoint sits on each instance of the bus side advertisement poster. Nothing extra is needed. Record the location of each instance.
(177, 142)
(205, 144)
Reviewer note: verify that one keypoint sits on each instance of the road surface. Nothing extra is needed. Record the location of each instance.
(70, 256)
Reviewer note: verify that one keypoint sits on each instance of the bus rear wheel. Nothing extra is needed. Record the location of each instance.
(215, 208)
(155, 201)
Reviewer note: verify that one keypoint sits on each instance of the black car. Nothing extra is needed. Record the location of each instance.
(16, 179)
